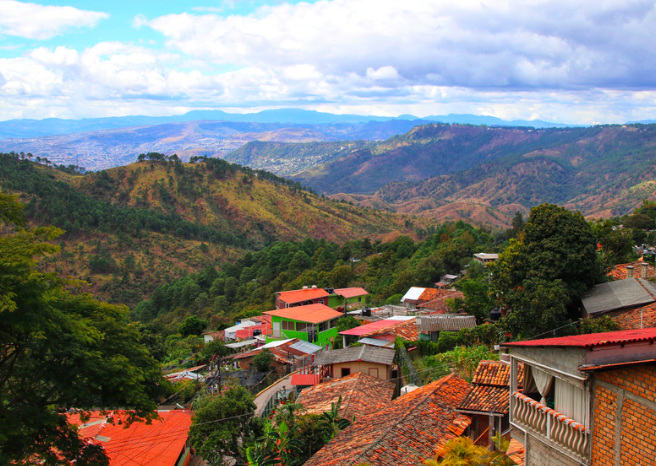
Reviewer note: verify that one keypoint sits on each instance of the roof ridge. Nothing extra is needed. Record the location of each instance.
(640, 279)
(350, 394)
(412, 408)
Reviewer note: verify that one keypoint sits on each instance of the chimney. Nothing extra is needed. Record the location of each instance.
(629, 271)
(643, 272)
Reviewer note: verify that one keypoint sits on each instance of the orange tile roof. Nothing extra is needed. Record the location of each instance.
(157, 444)
(431, 293)
(495, 373)
(298, 296)
(405, 329)
(351, 292)
(439, 303)
(516, 452)
(407, 432)
(312, 313)
(487, 399)
(619, 272)
(641, 317)
(361, 394)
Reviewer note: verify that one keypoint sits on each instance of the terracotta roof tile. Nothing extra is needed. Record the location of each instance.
(516, 452)
(361, 395)
(495, 373)
(488, 399)
(635, 318)
(157, 444)
(405, 329)
(439, 304)
(407, 432)
(619, 272)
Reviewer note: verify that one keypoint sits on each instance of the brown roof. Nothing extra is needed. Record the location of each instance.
(495, 373)
(405, 329)
(366, 353)
(361, 395)
(407, 432)
(635, 318)
(487, 399)
(439, 303)
(619, 272)
(312, 313)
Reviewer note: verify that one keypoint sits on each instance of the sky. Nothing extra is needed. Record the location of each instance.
(581, 62)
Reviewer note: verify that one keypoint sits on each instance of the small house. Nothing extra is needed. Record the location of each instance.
(486, 258)
(315, 323)
(306, 296)
(371, 360)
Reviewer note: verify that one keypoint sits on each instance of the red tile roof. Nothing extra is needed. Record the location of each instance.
(405, 329)
(487, 399)
(619, 272)
(361, 394)
(635, 318)
(157, 444)
(247, 332)
(351, 292)
(439, 303)
(407, 432)
(298, 296)
(431, 293)
(495, 373)
(592, 339)
(312, 313)
(516, 452)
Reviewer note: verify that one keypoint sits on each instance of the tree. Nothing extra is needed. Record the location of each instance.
(262, 361)
(222, 423)
(192, 326)
(554, 258)
(59, 350)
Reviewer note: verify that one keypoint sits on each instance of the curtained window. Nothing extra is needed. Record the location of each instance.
(572, 401)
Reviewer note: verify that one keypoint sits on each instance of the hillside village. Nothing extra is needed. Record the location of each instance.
(573, 400)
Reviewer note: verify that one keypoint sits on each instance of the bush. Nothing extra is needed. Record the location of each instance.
(262, 361)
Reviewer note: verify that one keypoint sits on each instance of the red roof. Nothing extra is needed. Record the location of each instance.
(298, 296)
(368, 328)
(305, 379)
(157, 444)
(312, 313)
(351, 292)
(248, 331)
(593, 339)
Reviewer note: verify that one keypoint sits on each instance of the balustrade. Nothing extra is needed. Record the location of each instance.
(553, 426)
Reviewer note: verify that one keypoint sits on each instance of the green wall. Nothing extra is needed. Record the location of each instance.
(323, 338)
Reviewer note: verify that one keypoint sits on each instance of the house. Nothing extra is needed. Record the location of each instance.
(371, 327)
(374, 361)
(632, 269)
(262, 327)
(406, 330)
(406, 432)
(586, 399)
(416, 295)
(486, 258)
(315, 323)
(488, 401)
(630, 302)
(430, 326)
(231, 332)
(308, 295)
(361, 395)
(439, 304)
(287, 354)
(346, 297)
(208, 337)
(163, 442)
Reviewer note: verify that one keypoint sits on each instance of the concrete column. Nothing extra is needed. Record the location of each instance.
(629, 271)
(643, 272)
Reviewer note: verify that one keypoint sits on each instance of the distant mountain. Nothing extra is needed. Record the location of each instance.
(21, 129)
(486, 174)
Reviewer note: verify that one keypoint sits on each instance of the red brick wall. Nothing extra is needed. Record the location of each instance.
(633, 389)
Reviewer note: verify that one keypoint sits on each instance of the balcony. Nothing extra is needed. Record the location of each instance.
(553, 428)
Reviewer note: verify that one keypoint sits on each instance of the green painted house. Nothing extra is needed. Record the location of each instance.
(314, 323)
(341, 296)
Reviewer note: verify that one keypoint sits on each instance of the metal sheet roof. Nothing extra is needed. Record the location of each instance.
(312, 313)
(593, 339)
(241, 344)
(306, 347)
(376, 342)
(413, 293)
(619, 294)
(366, 328)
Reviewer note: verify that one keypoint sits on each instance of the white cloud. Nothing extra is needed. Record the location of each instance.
(33, 21)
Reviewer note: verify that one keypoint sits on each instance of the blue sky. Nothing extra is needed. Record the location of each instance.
(573, 62)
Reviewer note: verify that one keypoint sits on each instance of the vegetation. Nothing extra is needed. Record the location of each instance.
(59, 349)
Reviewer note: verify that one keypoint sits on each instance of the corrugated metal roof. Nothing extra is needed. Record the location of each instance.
(356, 353)
(241, 344)
(593, 339)
(367, 328)
(312, 313)
(305, 379)
(351, 292)
(619, 294)
(297, 296)
(413, 293)
(305, 347)
(377, 342)
(444, 323)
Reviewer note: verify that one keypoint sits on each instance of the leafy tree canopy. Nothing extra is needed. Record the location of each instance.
(59, 350)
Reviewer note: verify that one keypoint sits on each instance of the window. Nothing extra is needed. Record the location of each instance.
(323, 326)
(333, 323)
(346, 371)
(359, 299)
(287, 325)
(302, 327)
(321, 301)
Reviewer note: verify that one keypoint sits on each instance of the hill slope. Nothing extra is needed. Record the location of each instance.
(132, 228)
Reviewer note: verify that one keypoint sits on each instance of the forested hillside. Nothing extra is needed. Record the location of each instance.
(132, 228)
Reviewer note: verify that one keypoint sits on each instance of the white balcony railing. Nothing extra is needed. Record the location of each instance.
(556, 428)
